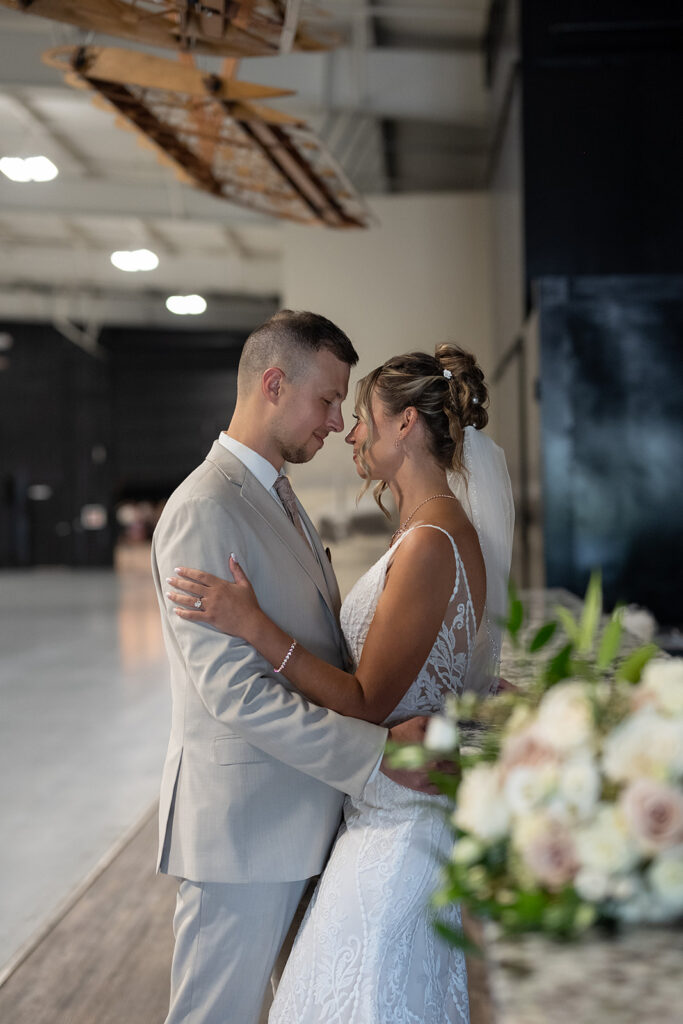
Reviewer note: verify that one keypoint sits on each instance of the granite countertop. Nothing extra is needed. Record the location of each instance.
(539, 605)
(632, 978)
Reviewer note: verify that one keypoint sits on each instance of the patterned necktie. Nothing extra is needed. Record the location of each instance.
(286, 495)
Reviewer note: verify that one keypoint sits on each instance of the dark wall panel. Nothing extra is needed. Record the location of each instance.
(171, 397)
(612, 413)
(603, 149)
(55, 441)
(91, 431)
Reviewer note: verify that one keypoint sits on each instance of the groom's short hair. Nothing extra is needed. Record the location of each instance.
(287, 340)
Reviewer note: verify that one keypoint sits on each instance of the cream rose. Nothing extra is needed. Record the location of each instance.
(527, 787)
(662, 685)
(481, 808)
(645, 745)
(565, 716)
(604, 844)
(578, 788)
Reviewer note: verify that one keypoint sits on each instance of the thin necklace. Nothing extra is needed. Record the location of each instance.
(401, 529)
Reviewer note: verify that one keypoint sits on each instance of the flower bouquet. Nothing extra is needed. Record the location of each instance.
(569, 810)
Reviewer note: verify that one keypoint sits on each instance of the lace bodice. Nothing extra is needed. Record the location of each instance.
(444, 670)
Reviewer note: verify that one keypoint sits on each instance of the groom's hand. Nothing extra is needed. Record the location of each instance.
(413, 731)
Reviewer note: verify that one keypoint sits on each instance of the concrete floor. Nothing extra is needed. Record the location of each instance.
(84, 720)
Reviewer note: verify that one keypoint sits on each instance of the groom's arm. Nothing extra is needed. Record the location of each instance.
(237, 686)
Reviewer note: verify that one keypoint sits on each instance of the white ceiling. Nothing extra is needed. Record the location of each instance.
(402, 105)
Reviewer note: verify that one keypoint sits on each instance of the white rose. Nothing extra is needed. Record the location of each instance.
(604, 844)
(645, 745)
(481, 808)
(527, 787)
(666, 878)
(578, 787)
(591, 885)
(565, 716)
(466, 851)
(662, 685)
(653, 813)
(441, 736)
(639, 622)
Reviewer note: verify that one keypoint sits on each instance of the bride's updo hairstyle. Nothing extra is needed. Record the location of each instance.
(448, 391)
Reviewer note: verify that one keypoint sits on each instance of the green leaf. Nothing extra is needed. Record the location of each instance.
(559, 667)
(407, 756)
(590, 615)
(456, 937)
(515, 617)
(631, 669)
(610, 641)
(447, 784)
(569, 623)
(544, 634)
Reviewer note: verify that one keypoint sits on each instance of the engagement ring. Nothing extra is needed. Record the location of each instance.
(198, 603)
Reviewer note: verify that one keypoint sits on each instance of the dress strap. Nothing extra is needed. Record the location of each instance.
(459, 567)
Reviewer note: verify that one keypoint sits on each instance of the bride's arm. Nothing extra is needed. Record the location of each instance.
(403, 630)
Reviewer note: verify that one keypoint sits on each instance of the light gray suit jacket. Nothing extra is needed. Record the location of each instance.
(255, 774)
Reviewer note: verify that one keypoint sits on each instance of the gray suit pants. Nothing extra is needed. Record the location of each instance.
(227, 938)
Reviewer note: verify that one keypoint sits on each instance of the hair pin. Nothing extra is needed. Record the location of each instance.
(447, 374)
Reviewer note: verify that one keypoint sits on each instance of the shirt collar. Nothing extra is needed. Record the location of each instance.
(264, 471)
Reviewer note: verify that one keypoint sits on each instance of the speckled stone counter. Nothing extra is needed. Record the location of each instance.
(515, 665)
(633, 978)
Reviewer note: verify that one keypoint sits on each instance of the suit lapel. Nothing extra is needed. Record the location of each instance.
(263, 503)
(271, 513)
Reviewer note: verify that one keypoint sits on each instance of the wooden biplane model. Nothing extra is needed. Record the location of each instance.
(216, 137)
(236, 28)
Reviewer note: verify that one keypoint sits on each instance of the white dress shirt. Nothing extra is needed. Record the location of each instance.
(264, 471)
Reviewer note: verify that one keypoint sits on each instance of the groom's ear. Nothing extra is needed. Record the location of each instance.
(271, 383)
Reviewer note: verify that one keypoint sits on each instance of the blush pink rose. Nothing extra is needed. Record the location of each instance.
(654, 813)
(528, 750)
(551, 856)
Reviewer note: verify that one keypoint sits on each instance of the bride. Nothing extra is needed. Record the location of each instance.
(420, 624)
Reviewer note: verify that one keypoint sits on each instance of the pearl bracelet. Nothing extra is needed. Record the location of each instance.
(287, 656)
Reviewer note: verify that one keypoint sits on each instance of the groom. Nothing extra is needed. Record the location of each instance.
(255, 775)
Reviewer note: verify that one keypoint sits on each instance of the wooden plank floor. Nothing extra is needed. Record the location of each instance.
(107, 960)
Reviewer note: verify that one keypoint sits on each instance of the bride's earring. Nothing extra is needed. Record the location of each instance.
(397, 442)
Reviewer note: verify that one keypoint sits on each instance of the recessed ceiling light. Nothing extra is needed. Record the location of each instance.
(186, 305)
(31, 168)
(134, 260)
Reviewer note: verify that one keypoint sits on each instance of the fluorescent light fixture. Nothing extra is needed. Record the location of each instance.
(134, 260)
(40, 168)
(186, 305)
(14, 168)
(31, 168)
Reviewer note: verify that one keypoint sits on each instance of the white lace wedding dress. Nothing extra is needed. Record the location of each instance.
(366, 952)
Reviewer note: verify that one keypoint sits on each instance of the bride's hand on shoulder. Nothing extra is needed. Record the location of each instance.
(202, 597)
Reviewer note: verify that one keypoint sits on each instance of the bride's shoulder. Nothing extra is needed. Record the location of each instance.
(426, 542)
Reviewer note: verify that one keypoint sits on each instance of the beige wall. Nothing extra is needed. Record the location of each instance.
(420, 277)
